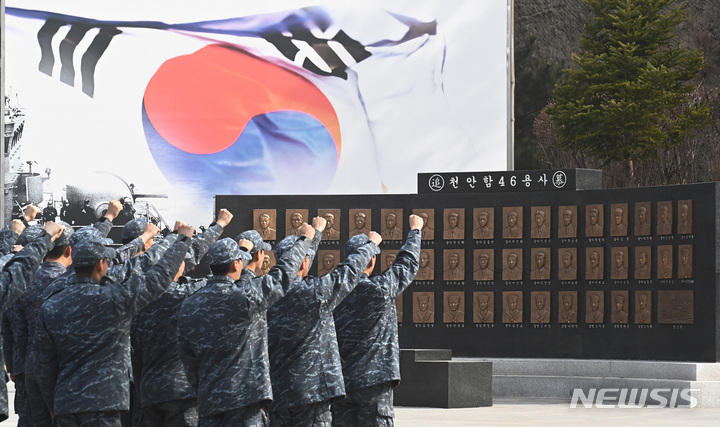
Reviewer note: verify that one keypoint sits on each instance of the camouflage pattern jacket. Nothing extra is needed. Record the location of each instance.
(222, 335)
(366, 321)
(8, 238)
(155, 357)
(82, 336)
(15, 276)
(304, 360)
(27, 308)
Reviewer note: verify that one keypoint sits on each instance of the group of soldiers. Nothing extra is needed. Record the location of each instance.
(103, 336)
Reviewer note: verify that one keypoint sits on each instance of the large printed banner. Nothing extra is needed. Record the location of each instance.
(177, 101)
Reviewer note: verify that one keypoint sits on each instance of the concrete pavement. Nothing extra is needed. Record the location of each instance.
(534, 412)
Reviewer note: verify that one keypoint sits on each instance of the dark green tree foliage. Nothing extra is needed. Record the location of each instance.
(629, 94)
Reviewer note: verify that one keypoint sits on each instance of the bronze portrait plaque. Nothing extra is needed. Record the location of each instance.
(454, 307)
(540, 264)
(567, 222)
(428, 228)
(387, 258)
(484, 260)
(643, 219)
(512, 307)
(643, 307)
(360, 221)
(619, 225)
(332, 228)
(594, 264)
(265, 223)
(664, 218)
(454, 221)
(399, 308)
(427, 265)
(327, 260)
(484, 221)
(594, 221)
(685, 222)
(392, 224)
(676, 307)
(620, 261)
(483, 307)
(594, 307)
(512, 264)
(267, 264)
(685, 261)
(294, 218)
(513, 222)
(540, 310)
(454, 264)
(620, 307)
(423, 306)
(540, 228)
(643, 262)
(567, 300)
(665, 262)
(567, 264)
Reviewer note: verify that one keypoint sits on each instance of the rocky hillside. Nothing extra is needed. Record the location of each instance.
(547, 32)
(556, 25)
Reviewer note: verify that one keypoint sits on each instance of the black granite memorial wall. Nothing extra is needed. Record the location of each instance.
(593, 274)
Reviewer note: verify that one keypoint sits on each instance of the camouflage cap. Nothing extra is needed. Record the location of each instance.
(89, 252)
(30, 234)
(64, 238)
(354, 243)
(256, 240)
(35, 231)
(286, 244)
(86, 233)
(133, 229)
(225, 251)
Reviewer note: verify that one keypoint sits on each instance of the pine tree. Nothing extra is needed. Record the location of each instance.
(629, 94)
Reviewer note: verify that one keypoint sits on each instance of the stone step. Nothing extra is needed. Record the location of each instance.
(559, 378)
(605, 368)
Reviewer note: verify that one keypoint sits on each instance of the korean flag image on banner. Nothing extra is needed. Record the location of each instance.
(190, 100)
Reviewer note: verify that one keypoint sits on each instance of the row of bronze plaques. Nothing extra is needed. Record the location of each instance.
(485, 267)
(673, 307)
(484, 226)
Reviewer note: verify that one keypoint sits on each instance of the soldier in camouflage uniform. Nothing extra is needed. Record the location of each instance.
(23, 326)
(57, 263)
(257, 252)
(222, 333)
(99, 230)
(304, 361)
(81, 337)
(367, 334)
(166, 396)
(14, 360)
(11, 232)
(16, 274)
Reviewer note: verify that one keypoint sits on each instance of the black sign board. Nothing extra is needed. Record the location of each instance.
(510, 181)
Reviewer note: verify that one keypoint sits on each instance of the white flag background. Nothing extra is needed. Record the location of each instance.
(421, 101)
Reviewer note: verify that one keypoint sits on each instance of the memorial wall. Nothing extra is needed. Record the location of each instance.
(515, 265)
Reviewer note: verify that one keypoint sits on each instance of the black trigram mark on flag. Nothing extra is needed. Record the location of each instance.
(332, 60)
(67, 49)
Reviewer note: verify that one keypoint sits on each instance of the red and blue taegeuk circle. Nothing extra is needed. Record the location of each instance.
(226, 122)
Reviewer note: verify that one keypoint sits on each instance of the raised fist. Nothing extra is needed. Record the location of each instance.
(224, 217)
